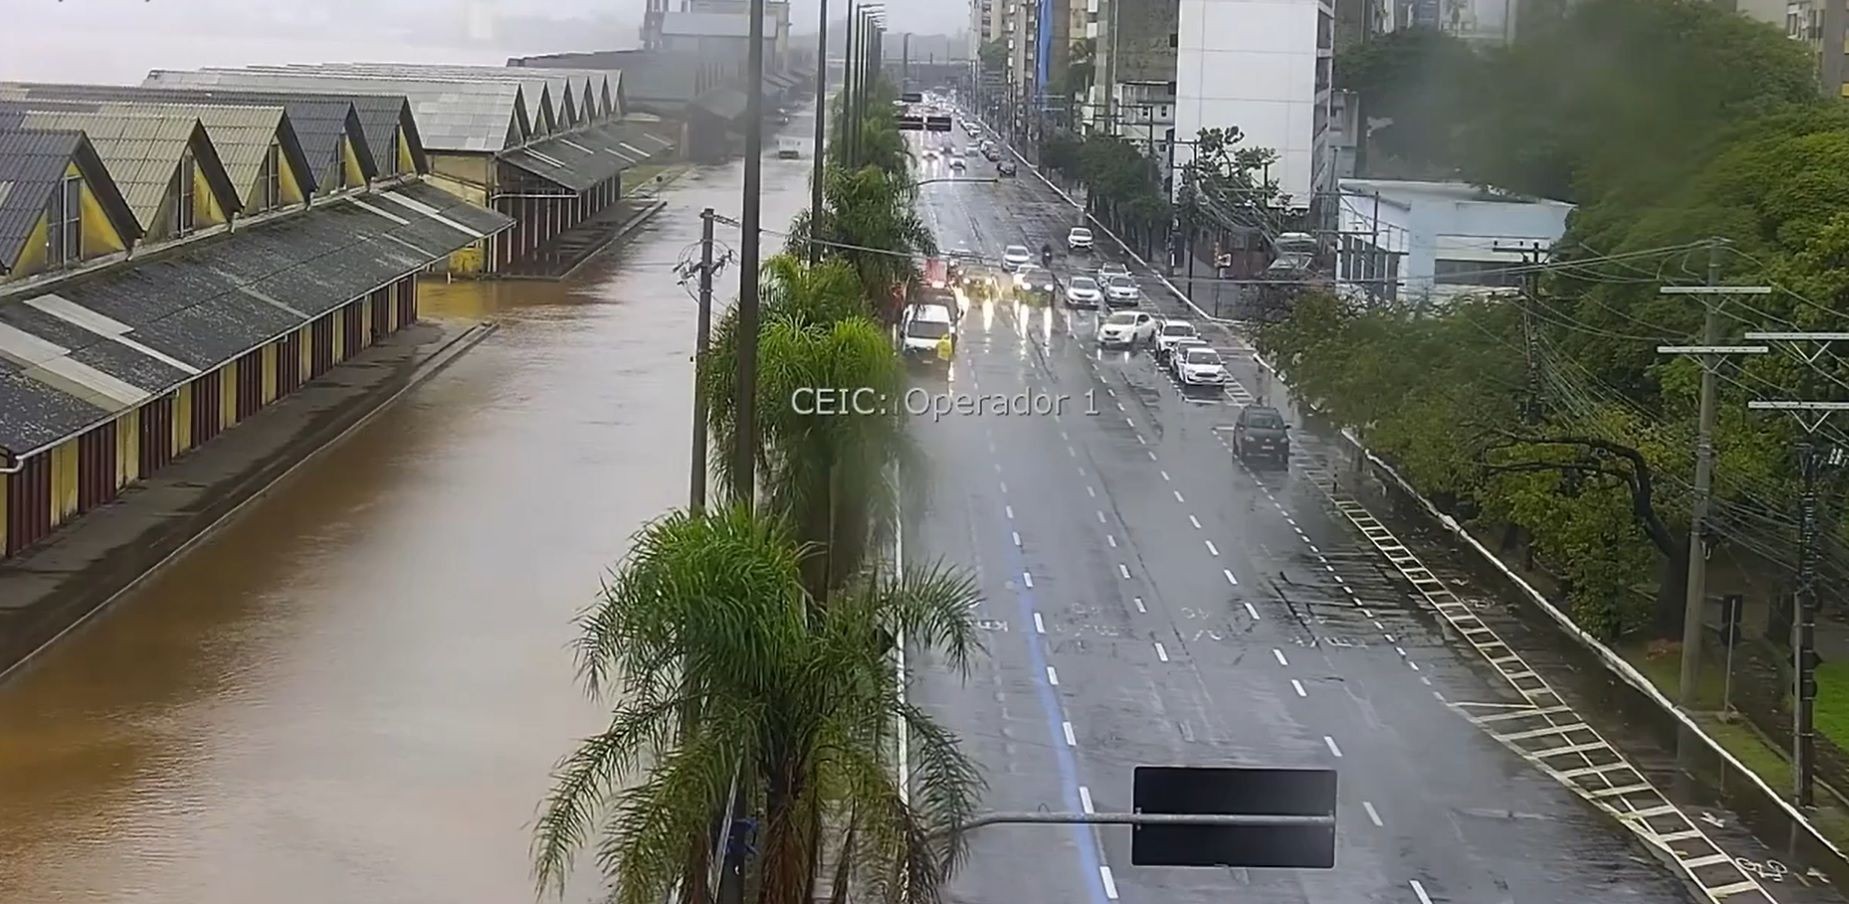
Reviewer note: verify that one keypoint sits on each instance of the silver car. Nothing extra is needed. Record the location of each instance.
(1121, 290)
(1083, 290)
(1014, 257)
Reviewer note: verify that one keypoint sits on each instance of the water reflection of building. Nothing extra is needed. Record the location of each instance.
(171, 265)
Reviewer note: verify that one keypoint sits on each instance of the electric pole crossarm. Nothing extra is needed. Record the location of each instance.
(1712, 349)
(1823, 341)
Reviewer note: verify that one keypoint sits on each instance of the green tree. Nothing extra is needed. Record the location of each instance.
(871, 213)
(993, 55)
(719, 661)
(1419, 81)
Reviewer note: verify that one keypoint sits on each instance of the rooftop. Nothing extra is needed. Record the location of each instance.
(714, 25)
(1411, 190)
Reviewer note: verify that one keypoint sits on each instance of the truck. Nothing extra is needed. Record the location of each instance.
(789, 147)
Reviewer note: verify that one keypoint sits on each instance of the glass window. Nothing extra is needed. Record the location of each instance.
(272, 178)
(64, 224)
(184, 213)
(1475, 273)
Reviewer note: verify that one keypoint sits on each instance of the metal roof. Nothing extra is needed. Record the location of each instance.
(546, 98)
(32, 163)
(726, 103)
(74, 354)
(318, 121)
(142, 153)
(451, 114)
(714, 25)
(580, 160)
(242, 135)
(590, 65)
(590, 93)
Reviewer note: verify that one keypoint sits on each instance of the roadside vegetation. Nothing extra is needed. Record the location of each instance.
(1546, 419)
(759, 644)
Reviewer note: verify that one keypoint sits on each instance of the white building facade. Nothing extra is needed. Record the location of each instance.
(1403, 241)
(1263, 66)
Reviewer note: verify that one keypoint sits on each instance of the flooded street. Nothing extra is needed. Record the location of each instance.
(356, 692)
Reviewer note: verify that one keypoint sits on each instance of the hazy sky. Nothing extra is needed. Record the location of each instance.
(120, 40)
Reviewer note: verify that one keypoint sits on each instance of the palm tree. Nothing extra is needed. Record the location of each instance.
(871, 214)
(726, 666)
(824, 472)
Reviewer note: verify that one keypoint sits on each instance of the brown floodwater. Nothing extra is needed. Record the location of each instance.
(356, 692)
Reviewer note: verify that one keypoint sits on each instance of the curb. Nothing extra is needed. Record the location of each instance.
(438, 359)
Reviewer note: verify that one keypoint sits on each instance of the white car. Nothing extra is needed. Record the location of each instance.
(1083, 290)
(1127, 328)
(1014, 257)
(1122, 290)
(1033, 279)
(921, 327)
(1178, 352)
(1079, 239)
(1173, 331)
(957, 164)
(1109, 269)
(1201, 366)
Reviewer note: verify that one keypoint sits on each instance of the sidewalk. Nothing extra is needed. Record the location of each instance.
(56, 586)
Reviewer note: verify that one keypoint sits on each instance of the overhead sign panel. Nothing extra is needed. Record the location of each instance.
(937, 123)
(911, 124)
(1234, 791)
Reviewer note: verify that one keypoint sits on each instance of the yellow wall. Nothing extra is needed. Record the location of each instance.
(63, 480)
(99, 234)
(269, 371)
(351, 176)
(405, 163)
(308, 355)
(128, 448)
(32, 255)
(291, 185)
(183, 419)
(207, 211)
(340, 338)
(468, 176)
(468, 260)
(365, 321)
(6, 513)
(228, 396)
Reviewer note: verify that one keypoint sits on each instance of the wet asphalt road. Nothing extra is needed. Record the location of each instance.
(1150, 601)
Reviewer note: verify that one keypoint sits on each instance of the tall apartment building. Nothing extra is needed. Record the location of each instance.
(1264, 66)
(1804, 21)
(1133, 94)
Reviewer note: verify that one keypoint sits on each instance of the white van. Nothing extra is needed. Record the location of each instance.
(920, 329)
(790, 147)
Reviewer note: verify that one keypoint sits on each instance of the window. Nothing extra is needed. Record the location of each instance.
(1174, 39)
(184, 214)
(272, 178)
(64, 224)
(1475, 273)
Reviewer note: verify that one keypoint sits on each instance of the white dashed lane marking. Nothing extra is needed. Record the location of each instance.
(1419, 890)
(1229, 576)
(1252, 611)
(1372, 815)
(1123, 570)
(1337, 751)
(1110, 884)
(1139, 604)
(1194, 521)
(1039, 626)
(1085, 799)
(1027, 579)
(1070, 740)
(1161, 653)
(1298, 687)
(1279, 655)
(1212, 548)
(1052, 677)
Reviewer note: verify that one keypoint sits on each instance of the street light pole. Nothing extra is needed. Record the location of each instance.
(821, 134)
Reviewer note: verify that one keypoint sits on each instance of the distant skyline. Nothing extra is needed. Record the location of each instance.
(118, 41)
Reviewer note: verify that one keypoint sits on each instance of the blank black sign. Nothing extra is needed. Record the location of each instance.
(1234, 791)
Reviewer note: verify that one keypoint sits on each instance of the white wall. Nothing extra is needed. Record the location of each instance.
(1251, 64)
(1426, 226)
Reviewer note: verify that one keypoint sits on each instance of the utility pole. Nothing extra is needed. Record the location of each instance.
(1531, 340)
(697, 500)
(1710, 353)
(849, 124)
(1813, 460)
(821, 133)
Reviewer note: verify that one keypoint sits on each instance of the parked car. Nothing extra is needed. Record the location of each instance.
(1005, 169)
(1082, 291)
(1126, 329)
(1078, 239)
(1261, 431)
(1201, 366)
(1122, 291)
(1014, 257)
